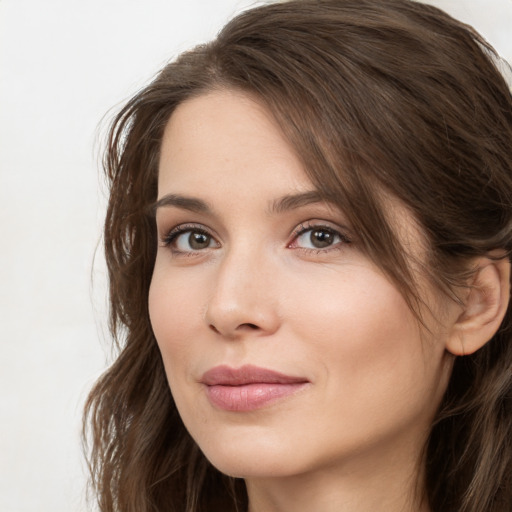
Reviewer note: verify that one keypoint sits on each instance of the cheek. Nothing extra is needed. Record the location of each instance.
(175, 305)
(367, 342)
(358, 307)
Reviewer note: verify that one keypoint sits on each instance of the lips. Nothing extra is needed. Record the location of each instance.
(249, 387)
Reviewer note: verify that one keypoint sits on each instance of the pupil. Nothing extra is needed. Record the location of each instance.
(198, 240)
(321, 239)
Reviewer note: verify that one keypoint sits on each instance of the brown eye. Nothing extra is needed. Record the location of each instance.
(321, 238)
(187, 240)
(318, 237)
(198, 241)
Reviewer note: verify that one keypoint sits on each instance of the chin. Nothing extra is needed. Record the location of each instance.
(247, 468)
(252, 460)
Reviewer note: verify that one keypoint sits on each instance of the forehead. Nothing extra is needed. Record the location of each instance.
(224, 137)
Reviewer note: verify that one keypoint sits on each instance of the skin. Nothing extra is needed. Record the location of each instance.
(255, 292)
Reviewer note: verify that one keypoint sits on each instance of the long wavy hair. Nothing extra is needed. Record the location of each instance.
(373, 95)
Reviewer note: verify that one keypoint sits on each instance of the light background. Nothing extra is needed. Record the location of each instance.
(63, 65)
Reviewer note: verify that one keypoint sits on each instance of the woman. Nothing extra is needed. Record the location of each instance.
(308, 241)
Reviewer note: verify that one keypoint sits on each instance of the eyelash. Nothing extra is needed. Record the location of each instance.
(171, 237)
(312, 226)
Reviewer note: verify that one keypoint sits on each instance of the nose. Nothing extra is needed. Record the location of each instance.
(244, 299)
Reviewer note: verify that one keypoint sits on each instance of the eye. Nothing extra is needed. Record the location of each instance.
(318, 238)
(186, 239)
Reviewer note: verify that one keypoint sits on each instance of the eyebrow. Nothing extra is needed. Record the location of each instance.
(192, 204)
(281, 205)
(294, 201)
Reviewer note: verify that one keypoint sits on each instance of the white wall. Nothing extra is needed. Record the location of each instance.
(63, 65)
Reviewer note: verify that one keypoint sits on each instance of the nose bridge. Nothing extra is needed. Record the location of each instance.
(243, 297)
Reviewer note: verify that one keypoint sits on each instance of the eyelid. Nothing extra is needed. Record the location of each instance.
(313, 224)
(167, 239)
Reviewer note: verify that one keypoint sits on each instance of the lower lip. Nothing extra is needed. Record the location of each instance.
(250, 397)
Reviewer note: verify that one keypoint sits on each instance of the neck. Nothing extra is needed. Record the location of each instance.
(386, 483)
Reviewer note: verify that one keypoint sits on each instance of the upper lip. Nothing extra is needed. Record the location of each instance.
(248, 374)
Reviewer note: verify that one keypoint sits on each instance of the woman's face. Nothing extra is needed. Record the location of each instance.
(286, 349)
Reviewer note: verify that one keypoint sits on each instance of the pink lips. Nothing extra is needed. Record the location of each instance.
(248, 388)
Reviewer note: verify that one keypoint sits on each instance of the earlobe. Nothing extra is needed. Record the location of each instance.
(485, 306)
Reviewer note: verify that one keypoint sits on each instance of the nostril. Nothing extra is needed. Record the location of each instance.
(250, 326)
(240, 328)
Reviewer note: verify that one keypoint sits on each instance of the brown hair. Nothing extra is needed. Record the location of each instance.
(369, 92)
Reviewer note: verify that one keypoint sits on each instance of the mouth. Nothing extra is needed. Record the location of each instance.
(249, 387)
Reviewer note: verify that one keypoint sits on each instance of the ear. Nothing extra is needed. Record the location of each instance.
(485, 306)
